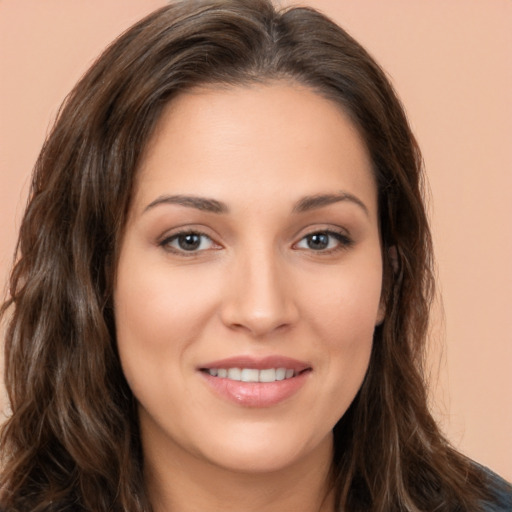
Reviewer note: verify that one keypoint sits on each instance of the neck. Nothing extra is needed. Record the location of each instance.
(185, 483)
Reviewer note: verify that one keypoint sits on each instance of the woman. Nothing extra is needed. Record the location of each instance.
(223, 283)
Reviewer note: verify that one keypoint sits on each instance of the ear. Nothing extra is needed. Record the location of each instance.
(392, 258)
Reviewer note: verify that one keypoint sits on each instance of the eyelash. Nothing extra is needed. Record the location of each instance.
(166, 243)
(343, 242)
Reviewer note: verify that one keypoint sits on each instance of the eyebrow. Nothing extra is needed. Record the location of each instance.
(305, 204)
(318, 201)
(199, 203)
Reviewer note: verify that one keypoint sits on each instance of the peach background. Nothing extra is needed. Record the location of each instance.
(451, 62)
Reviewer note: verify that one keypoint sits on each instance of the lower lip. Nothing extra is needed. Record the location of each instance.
(256, 394)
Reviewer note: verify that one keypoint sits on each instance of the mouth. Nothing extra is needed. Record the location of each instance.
(256, 382)
(254, 374)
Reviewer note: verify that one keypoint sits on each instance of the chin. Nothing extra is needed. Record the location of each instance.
(263, 462)
(265, 453)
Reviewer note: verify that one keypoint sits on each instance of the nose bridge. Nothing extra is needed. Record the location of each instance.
(258, 299)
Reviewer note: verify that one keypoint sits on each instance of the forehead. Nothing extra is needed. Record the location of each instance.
(278, 138)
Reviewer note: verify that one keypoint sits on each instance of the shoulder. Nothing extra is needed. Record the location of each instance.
(500, 491)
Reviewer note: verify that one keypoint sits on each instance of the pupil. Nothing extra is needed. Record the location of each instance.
(189, 242)
(318, 241)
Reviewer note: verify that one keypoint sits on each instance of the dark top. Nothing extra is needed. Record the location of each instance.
(502, 493)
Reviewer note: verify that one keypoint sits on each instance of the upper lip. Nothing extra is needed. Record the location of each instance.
(260, 363)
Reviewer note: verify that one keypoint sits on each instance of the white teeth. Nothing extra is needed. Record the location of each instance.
(252, 374)
(268, 375)
(234, 374)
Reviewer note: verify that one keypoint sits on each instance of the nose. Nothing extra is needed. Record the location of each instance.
(259, 296)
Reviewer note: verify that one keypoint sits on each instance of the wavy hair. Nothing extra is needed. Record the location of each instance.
(72, 440)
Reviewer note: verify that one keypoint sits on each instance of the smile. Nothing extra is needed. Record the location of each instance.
(256, 382)
(253, 374)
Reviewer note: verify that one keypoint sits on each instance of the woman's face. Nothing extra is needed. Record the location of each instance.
(251, 252)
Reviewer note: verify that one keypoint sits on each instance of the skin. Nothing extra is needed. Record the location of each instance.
(256, 285)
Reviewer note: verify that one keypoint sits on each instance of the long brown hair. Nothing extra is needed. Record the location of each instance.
(72, 441)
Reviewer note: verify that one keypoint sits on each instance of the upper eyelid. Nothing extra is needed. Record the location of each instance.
(184, 230)
(188, 232)
(174, 236)
(321, 228)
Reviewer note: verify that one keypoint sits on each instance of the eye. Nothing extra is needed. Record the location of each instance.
(324, 241)
(189, 241)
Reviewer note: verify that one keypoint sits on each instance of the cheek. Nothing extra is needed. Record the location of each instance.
(159, 314)
(154, 303)
(346, 301)
(342, 315)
